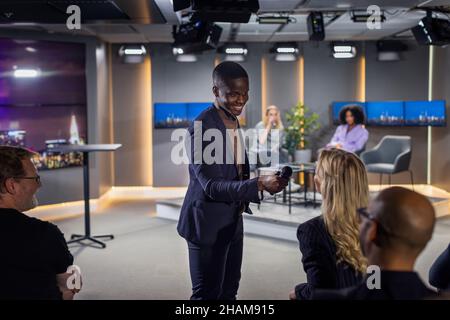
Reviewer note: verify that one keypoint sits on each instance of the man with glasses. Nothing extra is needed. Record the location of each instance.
(34, 253)
(393, 232)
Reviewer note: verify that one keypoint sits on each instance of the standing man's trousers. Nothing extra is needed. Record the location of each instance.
(216, 269)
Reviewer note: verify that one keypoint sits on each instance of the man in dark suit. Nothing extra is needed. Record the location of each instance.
(393, 232)
(220, 189)
(440, 271)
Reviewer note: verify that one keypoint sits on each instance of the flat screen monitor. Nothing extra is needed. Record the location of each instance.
(177, 114)
(385, 113)
(425, 113)
(338, 105)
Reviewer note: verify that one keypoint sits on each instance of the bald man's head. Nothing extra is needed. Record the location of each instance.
(406, 219)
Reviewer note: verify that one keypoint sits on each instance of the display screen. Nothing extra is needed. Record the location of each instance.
(425, 113)
(338, 105)
(43, 97)
(177, 115)
(385, 113)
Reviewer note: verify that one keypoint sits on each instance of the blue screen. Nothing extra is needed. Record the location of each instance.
(178, 114)
(194, 109)
(338, 105)
(387, 113)
(425, 113)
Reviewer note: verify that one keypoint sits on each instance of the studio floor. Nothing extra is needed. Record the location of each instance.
(148, 259)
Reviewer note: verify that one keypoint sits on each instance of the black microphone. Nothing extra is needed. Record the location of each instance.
(286, 172)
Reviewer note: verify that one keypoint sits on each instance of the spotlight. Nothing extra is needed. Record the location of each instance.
(342, 50)
(273, 19)
(132, 53)
(238, 11)
(390, 50)
(234, 51)
(26, 73)
(196, 36)
(287, 51)
(181, 56)
(316, 29)
(432, 31)
(363, 16)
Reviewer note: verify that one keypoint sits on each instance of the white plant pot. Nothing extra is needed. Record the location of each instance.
(303, 156)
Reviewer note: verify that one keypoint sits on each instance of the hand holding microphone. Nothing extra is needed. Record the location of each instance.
(277, 182)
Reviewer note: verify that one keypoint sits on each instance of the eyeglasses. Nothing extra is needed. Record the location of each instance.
(366, 214)
(37, 178)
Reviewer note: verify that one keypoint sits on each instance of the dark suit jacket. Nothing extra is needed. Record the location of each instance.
(440, 271)
(395, 285)
(319, 260)
(215, 193)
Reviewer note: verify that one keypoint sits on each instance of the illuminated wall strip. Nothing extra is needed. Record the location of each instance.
(149, 107)
(301, 99)
(361, 83)
(301, 94)
(263, 87)
(216, 61)
(301, 79)
(111, 114)
(430, 97)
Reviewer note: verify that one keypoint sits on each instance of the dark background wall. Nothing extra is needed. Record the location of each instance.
(120, 96)
(326, 80)
(401, 80)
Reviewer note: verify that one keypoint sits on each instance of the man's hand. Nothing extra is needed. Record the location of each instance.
(272, 183)
(292, 295)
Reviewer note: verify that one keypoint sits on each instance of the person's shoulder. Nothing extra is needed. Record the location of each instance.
(362, 126)
(312, 231)
(259, 125)
(312, 224)
(45, 226)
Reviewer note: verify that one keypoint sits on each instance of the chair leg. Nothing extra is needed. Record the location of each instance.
(381, 180)
(412, 179)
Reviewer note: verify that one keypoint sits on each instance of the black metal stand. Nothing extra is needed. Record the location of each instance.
(75, 238)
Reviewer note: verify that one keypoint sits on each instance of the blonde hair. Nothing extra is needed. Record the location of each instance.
(266, 117)
(344, 188)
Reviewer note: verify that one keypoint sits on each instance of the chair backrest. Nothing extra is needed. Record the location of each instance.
(391, 146)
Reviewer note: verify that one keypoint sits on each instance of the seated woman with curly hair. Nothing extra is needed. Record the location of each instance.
(351, 134)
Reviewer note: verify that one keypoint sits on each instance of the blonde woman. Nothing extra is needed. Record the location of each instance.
(266, 140)
(332, 257)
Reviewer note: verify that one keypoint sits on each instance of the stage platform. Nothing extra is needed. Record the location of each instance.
(273, 220)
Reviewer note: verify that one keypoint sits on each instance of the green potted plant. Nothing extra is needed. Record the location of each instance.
(301, 124)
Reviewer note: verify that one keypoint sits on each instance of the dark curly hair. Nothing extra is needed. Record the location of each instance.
(356, 111)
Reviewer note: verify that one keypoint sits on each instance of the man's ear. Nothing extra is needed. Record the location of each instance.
(9, 186)
(215, 91)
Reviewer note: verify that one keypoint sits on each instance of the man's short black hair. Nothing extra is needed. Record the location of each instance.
(228, 70)
(356, 111)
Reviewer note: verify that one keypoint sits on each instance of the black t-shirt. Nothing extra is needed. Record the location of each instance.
(32, 253)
